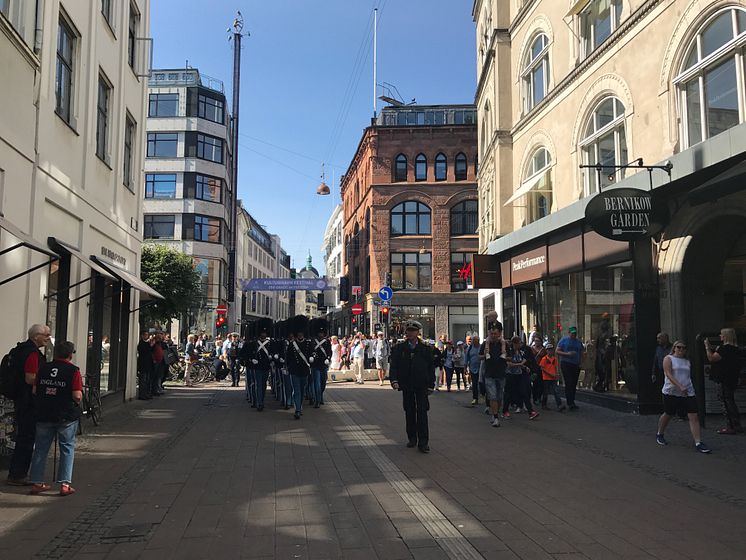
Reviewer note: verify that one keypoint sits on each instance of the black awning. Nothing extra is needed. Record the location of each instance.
(24, 239)
(730, 181)
(62, 246)
(129, 278)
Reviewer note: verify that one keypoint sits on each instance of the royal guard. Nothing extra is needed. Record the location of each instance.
(244, 356)
(259, 360)
(322, 356)
(299, 359)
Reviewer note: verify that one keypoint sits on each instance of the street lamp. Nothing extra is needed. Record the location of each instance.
(323, 189)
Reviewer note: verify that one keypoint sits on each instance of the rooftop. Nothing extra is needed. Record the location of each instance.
(184, 77)
(427, 115)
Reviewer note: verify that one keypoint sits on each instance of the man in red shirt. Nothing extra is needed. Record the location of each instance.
(31, 356)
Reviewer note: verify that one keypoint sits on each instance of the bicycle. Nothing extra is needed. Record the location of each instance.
(202, 371)
(176, 370)
(91, 403)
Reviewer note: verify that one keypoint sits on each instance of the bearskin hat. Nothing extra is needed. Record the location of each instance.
(298, 324)
(319, 326)
(263, 326)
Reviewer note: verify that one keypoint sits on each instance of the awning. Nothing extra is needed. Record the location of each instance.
(25, 240)
(129, 278)
(526, 187)
(577, 6)
(728, 182)
(57, 244)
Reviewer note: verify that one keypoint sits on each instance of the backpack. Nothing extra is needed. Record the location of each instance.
(11, 371)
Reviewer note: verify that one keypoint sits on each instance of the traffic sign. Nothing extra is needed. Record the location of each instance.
(357, 309)
(221, 309)
(385, 293)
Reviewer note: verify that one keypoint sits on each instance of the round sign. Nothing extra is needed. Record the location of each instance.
(357, 309)
(625, 214)
(385, 293)
(221, 308)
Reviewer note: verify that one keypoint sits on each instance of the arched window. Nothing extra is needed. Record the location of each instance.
(598, 20)
(420, 168)
(441, 167)
(460, 167)
(604, 144)
(710, 79)
(535, 187)
(400, 168)
(410, 218)
(367, 226)
(535, 75)
(465, 218)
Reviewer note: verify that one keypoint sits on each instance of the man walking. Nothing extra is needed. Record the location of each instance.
(381, 352)
(472, 361)
(26, 358)
(411, 372)
(494, 354)
(570, 350)
(358, 358)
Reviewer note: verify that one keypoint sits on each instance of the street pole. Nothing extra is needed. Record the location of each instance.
(237, 34)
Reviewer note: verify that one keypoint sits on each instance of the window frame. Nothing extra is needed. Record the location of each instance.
(151, 183)
(459, 217)
(200, 185)
(103, 110)
(461, 174)
(616, 7)
(398, 270)
(419, 215)
(614, 126)
(192, 223)
(133, 25)
(455, 275)
(65, 112)
(148, 220)
(441, 159)
(130, 126)
(106, 12)
(530, 65)
(400, 169)
(154, 101)
(420, 164)
(214, 143)
(153, 140)
(202, 104)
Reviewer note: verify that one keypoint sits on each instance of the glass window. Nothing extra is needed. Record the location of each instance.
(134, 23)
(460, 271)
(411, 271)
(597, 22)
(209, 148)
(64, 72)
(420, 168)
(208, 188)
(400, 167)
(460, 167)
(210, 109)
(441, 167)
(209, 271)
(160, 185)
(129, 139)
(102, 117)
(162, 144)
(536, 72)
(206, 228)
(106, 10)
(159, 226)
(410, 218)
(709, 85)
(163, 105)
(605, 144)
(465, 218)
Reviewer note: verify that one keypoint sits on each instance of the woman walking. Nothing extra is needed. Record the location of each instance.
(725, 360)
(678, 396)
(336, 354)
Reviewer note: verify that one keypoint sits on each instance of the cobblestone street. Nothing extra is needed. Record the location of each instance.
(199, 474)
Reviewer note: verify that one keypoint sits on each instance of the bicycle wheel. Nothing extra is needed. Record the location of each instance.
(97, 412)
(199, 372)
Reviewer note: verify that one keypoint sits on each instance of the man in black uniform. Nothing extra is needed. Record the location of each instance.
(322, 353)
(259, 360)
(411, 372)
(299, 358)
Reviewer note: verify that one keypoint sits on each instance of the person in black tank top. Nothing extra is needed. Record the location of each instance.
(57, 394)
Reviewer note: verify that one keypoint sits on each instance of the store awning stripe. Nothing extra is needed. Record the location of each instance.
(81, 257)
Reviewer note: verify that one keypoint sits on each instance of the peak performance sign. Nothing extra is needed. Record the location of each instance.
(625, 214)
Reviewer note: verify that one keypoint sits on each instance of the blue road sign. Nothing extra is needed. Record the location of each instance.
(385, 293)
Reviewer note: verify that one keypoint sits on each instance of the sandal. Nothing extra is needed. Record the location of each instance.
(39, 487)
(66, 490)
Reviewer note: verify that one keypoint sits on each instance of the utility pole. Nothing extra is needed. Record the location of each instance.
(237, 35)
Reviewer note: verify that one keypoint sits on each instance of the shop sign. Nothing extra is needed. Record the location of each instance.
(529, 266)
(484, 272)
(113, 256)
(624, 214)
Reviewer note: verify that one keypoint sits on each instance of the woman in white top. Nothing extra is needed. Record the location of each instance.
(678, 395)
(336, 354)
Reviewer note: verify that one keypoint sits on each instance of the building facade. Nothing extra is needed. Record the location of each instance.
(333, 265)
(71, 155)
(410, 211)
(575, 98)
(188, 191)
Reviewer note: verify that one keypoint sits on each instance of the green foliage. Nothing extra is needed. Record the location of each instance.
(172, 274)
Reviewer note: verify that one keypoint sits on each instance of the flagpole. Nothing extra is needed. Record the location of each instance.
(375, 58)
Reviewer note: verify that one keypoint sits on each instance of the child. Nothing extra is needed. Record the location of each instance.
(549, 377)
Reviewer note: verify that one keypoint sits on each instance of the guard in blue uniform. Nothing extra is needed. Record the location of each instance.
(322, 355)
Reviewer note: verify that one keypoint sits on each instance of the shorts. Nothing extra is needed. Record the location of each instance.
(674, 406)
(495, 387)
(382, 364)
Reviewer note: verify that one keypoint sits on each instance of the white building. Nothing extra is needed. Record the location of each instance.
(71, 153)
(188, 191)
(333, 254)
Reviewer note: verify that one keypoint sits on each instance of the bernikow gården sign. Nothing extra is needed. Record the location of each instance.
(625, 214)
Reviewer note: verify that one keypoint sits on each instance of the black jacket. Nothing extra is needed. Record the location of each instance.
(261, 351)
(413, 369)
(54, 394)
(299, 363)
(322, 355)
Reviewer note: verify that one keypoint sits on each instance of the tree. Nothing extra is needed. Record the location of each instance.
(172, 274)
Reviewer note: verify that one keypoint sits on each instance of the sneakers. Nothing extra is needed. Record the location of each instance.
(702, 448)
(473, 402)
(518, 410)
(506, 414)
(532, 415)
(660, 440)
(495, 422)
(486, 409)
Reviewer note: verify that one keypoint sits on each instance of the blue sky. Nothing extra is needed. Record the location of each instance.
(306, 87)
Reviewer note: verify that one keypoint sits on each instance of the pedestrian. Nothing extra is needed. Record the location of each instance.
(549, 375)
(448, 364)
(231, 358)
(320, 361)
(258, 358)
(381, 351)
(157, 373)
(58, 391)
(570, 350)
(299, 359)
(661, 351)
(145, 365)
(472, 362)
(440, 346)
(26, 359)
(518, 381)
(535, 336)
(678, 395)
(370, 359)
(411, 372)
(458, 365)
(726, 367)
(190, 352)
(336, 363)
(357, 353)
(493, 353)
(438, 360)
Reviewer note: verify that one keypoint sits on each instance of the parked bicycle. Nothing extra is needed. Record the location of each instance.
(176, 370)
(202, 370)
(91, 403)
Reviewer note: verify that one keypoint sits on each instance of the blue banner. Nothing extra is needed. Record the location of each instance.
(283, 284)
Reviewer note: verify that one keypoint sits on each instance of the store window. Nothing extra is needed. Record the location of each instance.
(411, 271)
(604, 144)
(424, 314)
(460, 271)
(712, 77)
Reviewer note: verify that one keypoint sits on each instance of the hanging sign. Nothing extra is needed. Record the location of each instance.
(625, 214)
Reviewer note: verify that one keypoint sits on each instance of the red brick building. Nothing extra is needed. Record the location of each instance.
(410, 209)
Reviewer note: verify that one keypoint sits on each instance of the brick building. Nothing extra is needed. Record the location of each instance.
(410, 209)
